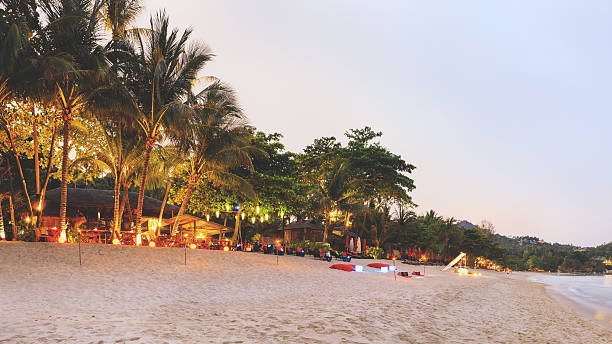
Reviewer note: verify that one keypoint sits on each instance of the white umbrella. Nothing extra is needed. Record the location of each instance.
(351, 245)
(359, 245)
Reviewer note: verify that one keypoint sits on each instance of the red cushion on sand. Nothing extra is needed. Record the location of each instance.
(404, 274)
(417, 273)
(344, 267)
(378, 265)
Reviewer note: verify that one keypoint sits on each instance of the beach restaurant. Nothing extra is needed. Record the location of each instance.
(302, 231)
(92, 210)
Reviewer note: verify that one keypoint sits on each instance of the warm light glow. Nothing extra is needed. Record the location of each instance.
(185, 235)
(138, 239)
(62, 237)
(192, 246)
(253, 220)
(242, 216)
(116, 242)
(257, 210)
(225, 248)
(39, 206)
(217, 214)
(282, 215)
(28, 219)
(227, 207)
(462, 271)
(152, 244)
(267, 217)
(261, 219)
(207, 217)
(2, 234)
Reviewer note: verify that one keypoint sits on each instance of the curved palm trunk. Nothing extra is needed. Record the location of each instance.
(64, 187)
(193, 181)
(2, 221)
(23, 182)
(36, 159)
(143, 180)
(125, 199)
(161, 211)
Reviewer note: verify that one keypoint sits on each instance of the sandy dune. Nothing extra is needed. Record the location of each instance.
(144, 295)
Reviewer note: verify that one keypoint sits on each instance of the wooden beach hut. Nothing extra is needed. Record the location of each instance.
(302, 230)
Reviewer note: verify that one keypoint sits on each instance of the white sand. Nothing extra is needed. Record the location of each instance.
(144, 295)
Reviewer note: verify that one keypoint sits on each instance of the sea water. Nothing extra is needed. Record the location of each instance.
(593, 294)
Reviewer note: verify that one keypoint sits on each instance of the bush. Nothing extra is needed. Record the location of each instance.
(25, 232)
(375, 252)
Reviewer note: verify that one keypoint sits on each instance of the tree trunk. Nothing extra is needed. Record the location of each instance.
(13, 224)
(64, 189)
(116, 216)
(11, 197)
(143, 180)
(2, 221)
(49, 164)
(327, 225)
(125, 198)
(23, 182)
(36, 160)
(237, 226)
(193, 181)
(161, 212)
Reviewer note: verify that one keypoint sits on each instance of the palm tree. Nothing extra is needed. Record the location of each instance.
(118, 14)
(72, 33)
(159, 77)
(335, 192)
(215, 138)
(119, 153)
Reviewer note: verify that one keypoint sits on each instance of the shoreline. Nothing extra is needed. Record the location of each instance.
(580, 305)
(144, 295)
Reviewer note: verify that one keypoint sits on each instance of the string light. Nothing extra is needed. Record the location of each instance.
(261, 219)
(267, 217)
(207, 217)
(257, 210)
(227, 207)
(253, 220)
(217, 214)
(242, 215)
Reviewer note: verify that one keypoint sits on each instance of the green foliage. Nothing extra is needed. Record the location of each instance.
(25, 232)
(375, 252)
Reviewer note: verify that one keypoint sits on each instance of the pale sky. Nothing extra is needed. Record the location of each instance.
(503, 106)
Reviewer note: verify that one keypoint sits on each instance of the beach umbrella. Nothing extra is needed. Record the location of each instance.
(359, 245)
(351, 245)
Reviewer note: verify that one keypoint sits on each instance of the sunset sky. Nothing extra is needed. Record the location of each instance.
(504, 107)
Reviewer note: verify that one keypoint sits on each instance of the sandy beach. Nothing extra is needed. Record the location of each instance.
(148, 295)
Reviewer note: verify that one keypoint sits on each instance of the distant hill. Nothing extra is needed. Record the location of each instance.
(466, 224)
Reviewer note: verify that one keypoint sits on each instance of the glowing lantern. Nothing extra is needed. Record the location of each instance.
(261, 219)
(186, 235)
(207, 217)
(28, 219)
(116, 242)
(267, 217)
(192, 246)
(39, 206)
(2, 234)
(62, 237)
(257, 210)
(227, 207)
(152, 244)
(138, 239)
(253, 220)
(242, 216)
(225, 248)
(217, 214)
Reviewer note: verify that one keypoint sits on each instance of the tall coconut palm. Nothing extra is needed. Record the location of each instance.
(335, 192)
(72, 31)
(159, 77)
(119, 153)
(215, 138)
